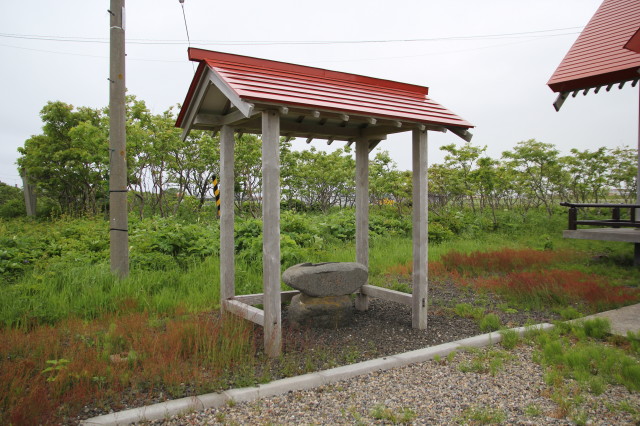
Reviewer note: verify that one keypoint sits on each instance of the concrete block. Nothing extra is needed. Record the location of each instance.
(242, 394)
(213, 400)
(278, 387)
(425, 354)
(481, 340)
(352, 370)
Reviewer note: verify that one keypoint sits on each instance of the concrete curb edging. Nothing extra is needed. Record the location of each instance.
(306, 381)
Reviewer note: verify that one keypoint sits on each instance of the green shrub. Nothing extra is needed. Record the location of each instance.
(598, 328)
(490, 322)
(510, 338)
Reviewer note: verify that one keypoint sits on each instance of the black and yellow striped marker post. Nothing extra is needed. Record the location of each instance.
(216, 193)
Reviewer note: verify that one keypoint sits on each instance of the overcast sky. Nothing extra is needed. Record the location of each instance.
(498, 83)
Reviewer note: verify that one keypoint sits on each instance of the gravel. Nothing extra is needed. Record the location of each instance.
(427, 393)
(431, 392)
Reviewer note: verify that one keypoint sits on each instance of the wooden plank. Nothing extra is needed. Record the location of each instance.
(256, 299)
(245, 311)
(227, 214)
(362, 213)
(387, 294)
(420, 235)
(271, 232)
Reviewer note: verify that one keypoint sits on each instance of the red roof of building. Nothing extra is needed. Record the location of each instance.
(598, 56)
(264, 81)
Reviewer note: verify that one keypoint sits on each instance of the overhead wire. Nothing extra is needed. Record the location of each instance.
(523, 34)
(527, 36)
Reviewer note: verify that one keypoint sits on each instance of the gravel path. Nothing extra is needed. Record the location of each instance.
(430, 393)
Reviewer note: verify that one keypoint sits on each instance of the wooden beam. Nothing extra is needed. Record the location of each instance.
(212, 120)
(372, 145)
(284, 110)
(227, 215)
(330, 140)
(201, 90)
(463, 133)
(420, 235)
(257, 299)
(387, 294)
(362, 213)
(316, 114)
(271, 232)
(245, 311)
(321, 132)
(229, 93)
(372, 121)
(309, 139)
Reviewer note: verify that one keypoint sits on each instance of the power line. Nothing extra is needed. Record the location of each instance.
(528, 34)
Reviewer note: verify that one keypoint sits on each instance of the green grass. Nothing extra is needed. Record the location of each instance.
(482, 415)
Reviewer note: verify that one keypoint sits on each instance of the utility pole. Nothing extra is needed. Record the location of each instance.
(118, 221)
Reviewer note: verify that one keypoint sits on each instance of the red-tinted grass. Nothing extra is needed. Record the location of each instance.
(111, 360)
(559, 286)
(500, 261)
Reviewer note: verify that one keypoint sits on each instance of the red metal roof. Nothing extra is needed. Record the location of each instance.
(598, 56)
(264, 81)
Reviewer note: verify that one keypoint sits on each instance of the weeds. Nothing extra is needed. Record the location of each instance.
(490, 322)
(405, 415)
(510, 339)
(482, 415)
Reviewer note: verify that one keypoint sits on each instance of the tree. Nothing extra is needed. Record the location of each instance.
(588, 174)
(538, 170)
(624, 173)
(69, 161)
(462, 162)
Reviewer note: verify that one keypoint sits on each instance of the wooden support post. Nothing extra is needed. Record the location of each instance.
(573, 217)
(271, 232)
(227, 247)
(420, 235)
(615, 215)
(362, 213)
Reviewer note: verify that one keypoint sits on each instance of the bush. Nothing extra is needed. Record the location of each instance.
(11, 201)
(490, 322)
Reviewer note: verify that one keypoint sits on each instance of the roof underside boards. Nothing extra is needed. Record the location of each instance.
(598, 57)
(314, 103)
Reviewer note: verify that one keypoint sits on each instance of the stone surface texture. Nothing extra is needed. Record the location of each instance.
(323, 312)
(326, 279)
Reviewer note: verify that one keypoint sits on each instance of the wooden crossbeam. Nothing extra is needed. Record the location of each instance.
(386, 294)
(245, 311)
(258, 298)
